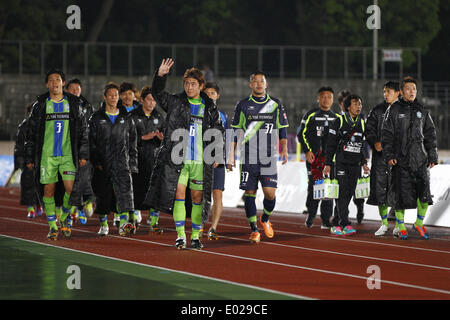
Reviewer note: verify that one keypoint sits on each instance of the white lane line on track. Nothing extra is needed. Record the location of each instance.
(166, 269)
(372, 242)
(277, 218)
(395, 283)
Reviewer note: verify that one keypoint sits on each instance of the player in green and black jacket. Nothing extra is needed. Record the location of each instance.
(56, 141)
(312, 135)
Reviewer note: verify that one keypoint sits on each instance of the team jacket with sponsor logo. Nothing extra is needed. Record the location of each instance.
(35, 136)
(164, 179)
(345, 141)
(313, 130)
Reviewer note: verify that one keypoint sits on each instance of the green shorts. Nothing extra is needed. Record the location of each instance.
(192, 173)
(50, 166)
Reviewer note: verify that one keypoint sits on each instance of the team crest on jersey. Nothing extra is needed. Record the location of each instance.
(419, 114)
(66, 107)
(271, 107)
(155, 121)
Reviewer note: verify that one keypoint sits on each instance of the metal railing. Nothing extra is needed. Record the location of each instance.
(137, 59)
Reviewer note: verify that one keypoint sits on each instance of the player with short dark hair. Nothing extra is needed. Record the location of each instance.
(150, 126)
(56, 142)
(213, 91)
(85, 209)
(127, 93)
(182, 177)
(410, 147)
(261, 121)
(345, 148)
(379, 169)
(112, 139)
(312, 135)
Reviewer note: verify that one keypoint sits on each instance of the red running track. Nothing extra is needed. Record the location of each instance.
(297, 261)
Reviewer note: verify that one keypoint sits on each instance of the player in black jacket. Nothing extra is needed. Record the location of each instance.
(410, 147)
(149, 128)
(345, 147)
(113, 152)
(84, 176)
(379, 169)
(312, 136)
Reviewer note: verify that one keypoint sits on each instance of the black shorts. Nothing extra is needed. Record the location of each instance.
(219, 178)
(252, 173)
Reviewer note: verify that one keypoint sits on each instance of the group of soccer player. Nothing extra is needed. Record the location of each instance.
(129, 157)
(402, 136)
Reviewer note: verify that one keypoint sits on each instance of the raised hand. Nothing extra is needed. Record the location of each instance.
(165, 66)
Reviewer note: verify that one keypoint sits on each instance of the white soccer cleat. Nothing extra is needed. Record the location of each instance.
(396, 232)
(104, 230)
(137, 216)
(88, 209)
(382, 230)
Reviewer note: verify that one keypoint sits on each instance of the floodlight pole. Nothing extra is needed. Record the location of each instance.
(375, 50)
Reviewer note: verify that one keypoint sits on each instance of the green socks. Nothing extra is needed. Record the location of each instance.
(124, 216)
(252, 222)
(400, 216)
(49, 206)
(179, 216)
(196, 217)
(154, 215)
(103, 220)
(422, 208)
(383, 210)
(66, 207)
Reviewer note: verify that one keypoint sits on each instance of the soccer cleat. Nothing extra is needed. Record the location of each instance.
(74, 215)
(403, 235)
(212, 234)
(156, 229)
(382, 230)
(52, 234)
(180, 243)
(88, 208)
(66, 227)
(82, 217)
(267, 226)
(309, 221)
(116, 221)
(348, 231)
(255, 237)
(104, 230)
(326, 225)
(31, 214)
(125, 229)
(196, 244)
(395, 232)
(40, 210)
(422, 231)
(137, 216)
(336, 231)
(135, 226)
